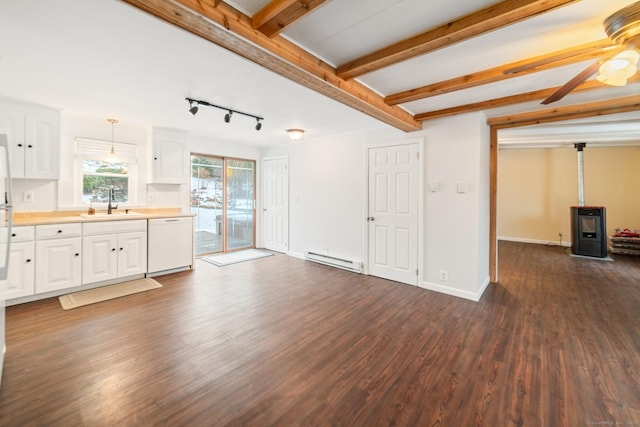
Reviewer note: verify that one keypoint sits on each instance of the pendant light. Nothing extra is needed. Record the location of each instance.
(112, 158)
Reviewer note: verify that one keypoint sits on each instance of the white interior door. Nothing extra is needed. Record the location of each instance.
(393, 212)
(275, 210)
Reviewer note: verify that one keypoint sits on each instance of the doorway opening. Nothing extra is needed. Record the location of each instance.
(223, 199)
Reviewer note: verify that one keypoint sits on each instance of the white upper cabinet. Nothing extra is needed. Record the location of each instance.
(168, 157)
(34, 139)
(42, 145)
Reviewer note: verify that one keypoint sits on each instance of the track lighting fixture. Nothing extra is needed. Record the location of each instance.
(193, 109)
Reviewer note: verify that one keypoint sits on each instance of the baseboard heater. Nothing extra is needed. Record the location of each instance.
(345, 264)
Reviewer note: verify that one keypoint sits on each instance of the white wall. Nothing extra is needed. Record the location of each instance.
(327, 186)
(457, 224)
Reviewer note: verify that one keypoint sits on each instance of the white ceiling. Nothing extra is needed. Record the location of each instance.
(104, 58)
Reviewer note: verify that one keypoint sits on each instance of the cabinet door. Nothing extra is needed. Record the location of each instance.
(99, 258)
(12, 124)
(59, 264)
(132, 253)
(21, 275)
(42, 136)
(167, 163)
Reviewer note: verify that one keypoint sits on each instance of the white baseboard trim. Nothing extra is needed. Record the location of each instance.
(448, 290)
(536, 241)
(473, 296)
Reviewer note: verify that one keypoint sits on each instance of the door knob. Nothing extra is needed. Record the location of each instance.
(370, 218)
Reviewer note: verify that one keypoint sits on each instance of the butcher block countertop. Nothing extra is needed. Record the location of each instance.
(59, 217)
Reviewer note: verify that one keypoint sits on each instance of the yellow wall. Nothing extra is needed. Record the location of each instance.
(536, 187)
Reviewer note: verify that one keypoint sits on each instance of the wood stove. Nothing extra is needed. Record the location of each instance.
(588, 231)
(588, 223)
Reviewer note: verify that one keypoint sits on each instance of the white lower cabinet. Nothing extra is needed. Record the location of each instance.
(59, 264)
(100, 258)
(132, 253)
(113, 249)
(21, 274)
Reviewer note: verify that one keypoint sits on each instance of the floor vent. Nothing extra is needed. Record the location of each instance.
(345, 264)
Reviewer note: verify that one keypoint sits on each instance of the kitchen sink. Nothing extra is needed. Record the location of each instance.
(103, 215)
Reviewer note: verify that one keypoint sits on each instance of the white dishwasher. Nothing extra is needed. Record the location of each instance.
(170, 244)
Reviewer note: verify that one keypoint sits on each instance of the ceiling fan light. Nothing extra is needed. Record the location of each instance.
(617, 70)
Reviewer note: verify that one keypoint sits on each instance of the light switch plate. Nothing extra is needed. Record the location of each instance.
(433, 187)
(461, 187)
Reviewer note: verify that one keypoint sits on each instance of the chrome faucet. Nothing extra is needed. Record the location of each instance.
(109, 207)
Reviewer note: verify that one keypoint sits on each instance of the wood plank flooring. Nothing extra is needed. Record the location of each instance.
(283, 342)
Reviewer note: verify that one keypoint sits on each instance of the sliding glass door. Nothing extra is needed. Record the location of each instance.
(223, 199)
(239, 204)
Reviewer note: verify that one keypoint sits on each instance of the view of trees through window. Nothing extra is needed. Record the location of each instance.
(99, 176)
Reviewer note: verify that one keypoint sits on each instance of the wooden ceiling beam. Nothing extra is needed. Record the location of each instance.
(570, 112)
(232, 30)
(278, 14)
(555, 59)
(535, 95)
(496, 16)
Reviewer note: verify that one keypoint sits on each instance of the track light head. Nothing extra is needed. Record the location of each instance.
(193, 109)
(227, 117)
(258, 125)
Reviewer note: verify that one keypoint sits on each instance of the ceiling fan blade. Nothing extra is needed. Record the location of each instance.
(582, 77)
(573, 83)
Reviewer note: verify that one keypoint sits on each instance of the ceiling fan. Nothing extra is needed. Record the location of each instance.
(623, 28)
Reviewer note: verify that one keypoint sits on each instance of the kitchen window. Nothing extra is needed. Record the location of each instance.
(97, 173)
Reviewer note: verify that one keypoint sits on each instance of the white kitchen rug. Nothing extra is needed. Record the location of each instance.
(235, 257)
(92, 296)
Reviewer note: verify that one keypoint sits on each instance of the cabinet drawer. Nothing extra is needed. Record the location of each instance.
(109, 227)
(58, 231)
(23, 233)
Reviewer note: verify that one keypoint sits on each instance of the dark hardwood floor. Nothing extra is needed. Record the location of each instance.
(283, 342)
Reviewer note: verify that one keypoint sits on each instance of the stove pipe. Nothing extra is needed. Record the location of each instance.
(580, 148)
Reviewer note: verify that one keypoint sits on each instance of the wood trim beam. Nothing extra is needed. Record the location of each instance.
(496, 16)
(493, 204)
(232, 30)
(509, 100)
(581, 53)
(570, 112)
(278, 14)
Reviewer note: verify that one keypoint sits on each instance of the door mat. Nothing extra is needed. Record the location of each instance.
(105, 293)
(236, 257)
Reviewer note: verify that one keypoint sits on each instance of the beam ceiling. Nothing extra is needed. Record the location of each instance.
(232, 30)
(490, 18)
(278, 14)
(504, 72)
(570, 112)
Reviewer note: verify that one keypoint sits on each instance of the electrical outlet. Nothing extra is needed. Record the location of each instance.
(27, 196)
(444, 275)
